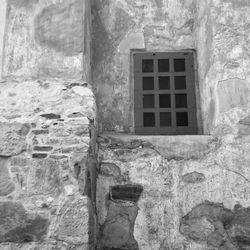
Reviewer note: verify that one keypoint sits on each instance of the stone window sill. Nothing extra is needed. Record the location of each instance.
(176, 147)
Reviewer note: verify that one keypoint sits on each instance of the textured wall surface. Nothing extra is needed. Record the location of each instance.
(161, 193)
(45, 39)
(193, 200)
(47, 127)
(195, 189)
(223, 57)
(118, 27)
(216, 29)
(44, 158)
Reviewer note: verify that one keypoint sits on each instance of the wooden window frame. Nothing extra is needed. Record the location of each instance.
(189, 73)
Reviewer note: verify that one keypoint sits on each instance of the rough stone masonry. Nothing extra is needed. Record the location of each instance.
(72, 173)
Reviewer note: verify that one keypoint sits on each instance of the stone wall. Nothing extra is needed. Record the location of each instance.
(182, 192)
(194, 196)
(44, 159)
(193, 189)
(47, 126)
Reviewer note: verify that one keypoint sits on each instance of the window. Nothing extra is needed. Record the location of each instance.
(164, 93)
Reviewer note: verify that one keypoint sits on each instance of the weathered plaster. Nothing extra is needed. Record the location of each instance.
(45, 39)
(223, 59)
(175, 188)
(216, 29)
(3, 8)
(122, 26)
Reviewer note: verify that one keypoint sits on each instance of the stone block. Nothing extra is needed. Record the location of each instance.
(44, 178)
(218, 226)
(39, 155)
(244, 127)
(21, 161)
(6, 184)
(193, 177)
(17, 225)
(12, 138)
(117, 231)
(72, 224)
(51, 116)
(43, 148)
(110, 169)
(40, 132)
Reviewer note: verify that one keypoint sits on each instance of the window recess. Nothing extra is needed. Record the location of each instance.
(164, 97)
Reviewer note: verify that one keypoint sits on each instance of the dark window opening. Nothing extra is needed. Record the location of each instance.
(126, 192)
(164, 82)
(147, 66)
(165, 93)
(148, 119)
(148, 83)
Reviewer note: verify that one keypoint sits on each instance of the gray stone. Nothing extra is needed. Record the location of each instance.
(39, 155)
(198, 229)
(72, 224)
(6, 184)
(218, 226)
(244, 127)
(17, 225)
(109, 169)
(44, 178)
(12, 138)
(43, 148)
(51, 116)
(193, 177)
(117, 231)
(40, 132)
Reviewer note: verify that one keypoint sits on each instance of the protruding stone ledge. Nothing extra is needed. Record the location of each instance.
(180, 147)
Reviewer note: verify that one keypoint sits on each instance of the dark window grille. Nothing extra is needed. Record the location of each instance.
(165, 93)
